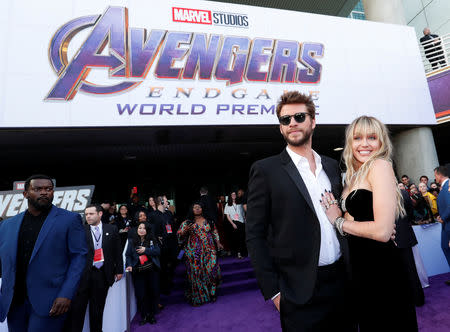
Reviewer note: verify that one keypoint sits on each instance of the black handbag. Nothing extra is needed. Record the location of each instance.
(148, 265)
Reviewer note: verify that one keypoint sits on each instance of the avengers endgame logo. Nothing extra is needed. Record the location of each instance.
(132, 52)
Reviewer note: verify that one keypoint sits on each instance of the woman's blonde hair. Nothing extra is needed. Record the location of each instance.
(354, 175)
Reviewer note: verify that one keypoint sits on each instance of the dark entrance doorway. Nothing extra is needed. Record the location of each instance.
(176, 161)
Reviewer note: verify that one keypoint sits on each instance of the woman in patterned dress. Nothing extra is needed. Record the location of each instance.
(199, 238)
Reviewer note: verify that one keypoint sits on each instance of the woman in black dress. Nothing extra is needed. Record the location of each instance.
(372, 202)
(142, 259)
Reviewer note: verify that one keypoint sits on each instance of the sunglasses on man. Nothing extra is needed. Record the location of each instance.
(300, 117)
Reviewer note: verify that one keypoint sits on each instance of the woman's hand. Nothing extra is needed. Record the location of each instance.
(330, 206)
(189, 229)
(219, 246)
(129, 269)
(140, 250)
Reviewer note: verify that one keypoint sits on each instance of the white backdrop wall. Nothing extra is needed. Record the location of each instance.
(56, 52)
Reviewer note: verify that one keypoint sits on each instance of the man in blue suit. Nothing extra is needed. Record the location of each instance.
(43, 254)
(443, 203)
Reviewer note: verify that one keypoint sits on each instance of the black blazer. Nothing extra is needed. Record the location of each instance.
(279, 204)
(112, 252)
(209, 207)
(431, 47)
(132, 257)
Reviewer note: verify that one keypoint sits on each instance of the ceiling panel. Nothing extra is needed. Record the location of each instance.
(326, 7)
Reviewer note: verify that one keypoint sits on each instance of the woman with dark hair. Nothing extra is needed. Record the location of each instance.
(151, 204)
(123, 223)
(199, 238)
(235, 217)
(142, 259)
(140, 216)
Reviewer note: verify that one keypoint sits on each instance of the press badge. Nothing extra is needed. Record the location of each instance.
(169, 229)
(236, 216)
(143, 259)
(98, 255)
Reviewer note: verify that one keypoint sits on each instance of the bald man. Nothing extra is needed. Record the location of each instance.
(433, 49)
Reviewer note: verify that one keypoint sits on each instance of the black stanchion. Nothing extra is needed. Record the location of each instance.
(128, 290)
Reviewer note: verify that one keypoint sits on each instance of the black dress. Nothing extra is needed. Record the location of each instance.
(383, 298)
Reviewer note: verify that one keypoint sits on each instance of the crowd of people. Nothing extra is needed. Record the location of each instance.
(213, 227)
(423, 199)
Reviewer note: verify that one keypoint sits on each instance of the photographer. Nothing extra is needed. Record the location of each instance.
(142, 259)
(199, 238)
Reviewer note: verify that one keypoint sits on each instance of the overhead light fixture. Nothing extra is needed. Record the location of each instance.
(338, 149)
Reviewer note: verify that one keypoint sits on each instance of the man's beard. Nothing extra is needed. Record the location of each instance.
(302, 141)
(41, 204)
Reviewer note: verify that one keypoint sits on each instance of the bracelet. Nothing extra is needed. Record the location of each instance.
(338, 223)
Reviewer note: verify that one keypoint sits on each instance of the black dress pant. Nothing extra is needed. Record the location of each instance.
(146, 290)
(92, 291)
(329, 309)
(169, 262)
(238, 239)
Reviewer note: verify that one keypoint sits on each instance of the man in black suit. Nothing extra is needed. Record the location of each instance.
(163, 224)
(209, 204)
(104, 266)
(299, 259)
(433, 48)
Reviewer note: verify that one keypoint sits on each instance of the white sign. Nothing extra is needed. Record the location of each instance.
(147, 63)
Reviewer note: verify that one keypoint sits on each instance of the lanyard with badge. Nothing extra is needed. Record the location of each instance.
(98, 253)
(168, 227)
(236, 215)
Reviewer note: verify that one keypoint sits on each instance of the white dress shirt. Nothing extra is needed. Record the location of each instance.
(330, 250)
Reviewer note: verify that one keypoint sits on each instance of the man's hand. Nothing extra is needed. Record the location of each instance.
(60, 306)
(219, 246)
(234, 225)
(129, 269)
(118, 277)
(276, 302)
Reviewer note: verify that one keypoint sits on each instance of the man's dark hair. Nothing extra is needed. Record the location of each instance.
(405, 176)
(295, 97)
(97, 207)
(203, 190)
(37, 177)
(442, 170)
(423, 176)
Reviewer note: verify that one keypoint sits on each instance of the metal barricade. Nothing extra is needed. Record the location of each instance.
(436, 53)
